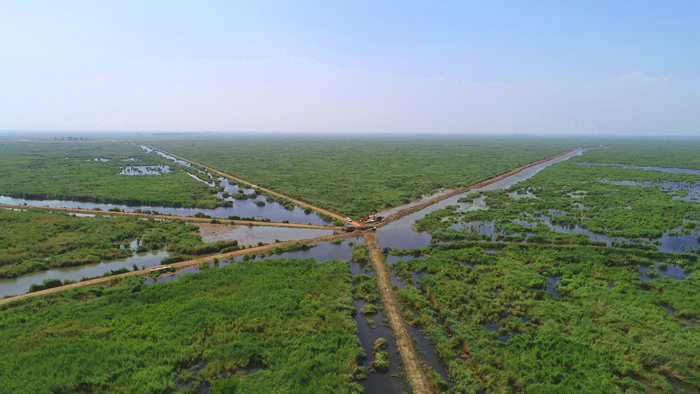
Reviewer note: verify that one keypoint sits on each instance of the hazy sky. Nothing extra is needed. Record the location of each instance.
(596, 67)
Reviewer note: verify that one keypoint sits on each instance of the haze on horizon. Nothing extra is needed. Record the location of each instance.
(624, 68)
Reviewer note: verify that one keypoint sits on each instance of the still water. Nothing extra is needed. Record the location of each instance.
(20, 285)
(400, 235)
(381, 382)
(243, 208)
(397, 235)
(244, 234)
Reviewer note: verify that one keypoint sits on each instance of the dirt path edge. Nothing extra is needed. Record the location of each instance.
(407, 211)
(295, 201)
(414, 373)
(181, 265)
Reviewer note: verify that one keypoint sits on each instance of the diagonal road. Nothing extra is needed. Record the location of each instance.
(274, 193)
(414, 373)
(181, 265)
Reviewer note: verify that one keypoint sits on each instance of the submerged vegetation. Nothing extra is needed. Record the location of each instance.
(272, 326)
(557, 284)
(541, 318)
(35, 240)
(562, 283)
(631, 207)
(91, 172)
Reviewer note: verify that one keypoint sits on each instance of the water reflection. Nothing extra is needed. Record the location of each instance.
(651, 168)
(399, 234)
(551, 286)
(243, 208)
(21, 284)
(662, 270)
(246, 235)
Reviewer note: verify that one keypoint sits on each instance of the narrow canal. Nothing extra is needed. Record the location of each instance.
(396, 235)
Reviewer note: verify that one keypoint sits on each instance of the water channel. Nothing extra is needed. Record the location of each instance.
(20, 285)
(400, 235)
(244, 234)
(397, 235)
(380, 382)
(243, 208)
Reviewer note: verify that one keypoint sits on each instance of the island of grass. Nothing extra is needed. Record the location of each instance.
(36, 240)
(268, 327)
(91, 172)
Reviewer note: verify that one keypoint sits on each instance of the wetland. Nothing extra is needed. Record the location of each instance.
(565, 276)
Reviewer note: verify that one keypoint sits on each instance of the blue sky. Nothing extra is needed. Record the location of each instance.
(511, 67)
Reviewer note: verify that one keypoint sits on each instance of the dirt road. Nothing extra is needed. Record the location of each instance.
(274, 193)
(181, 265)
(393, 216)
(168, 217)
(407, 211)
(414, 373)
(184, 264)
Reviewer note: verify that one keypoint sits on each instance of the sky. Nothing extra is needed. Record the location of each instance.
(505, 67)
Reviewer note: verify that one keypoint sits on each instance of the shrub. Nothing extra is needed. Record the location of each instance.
(120, 271)
(381, 361)
(369, 309)
(359, 254)
(176, 258)
(51, 283)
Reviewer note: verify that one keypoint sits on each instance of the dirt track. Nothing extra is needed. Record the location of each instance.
(181, 265)
(168, 217)
(407, 211)
(393, 216)
(414, 373)
(297, 202)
